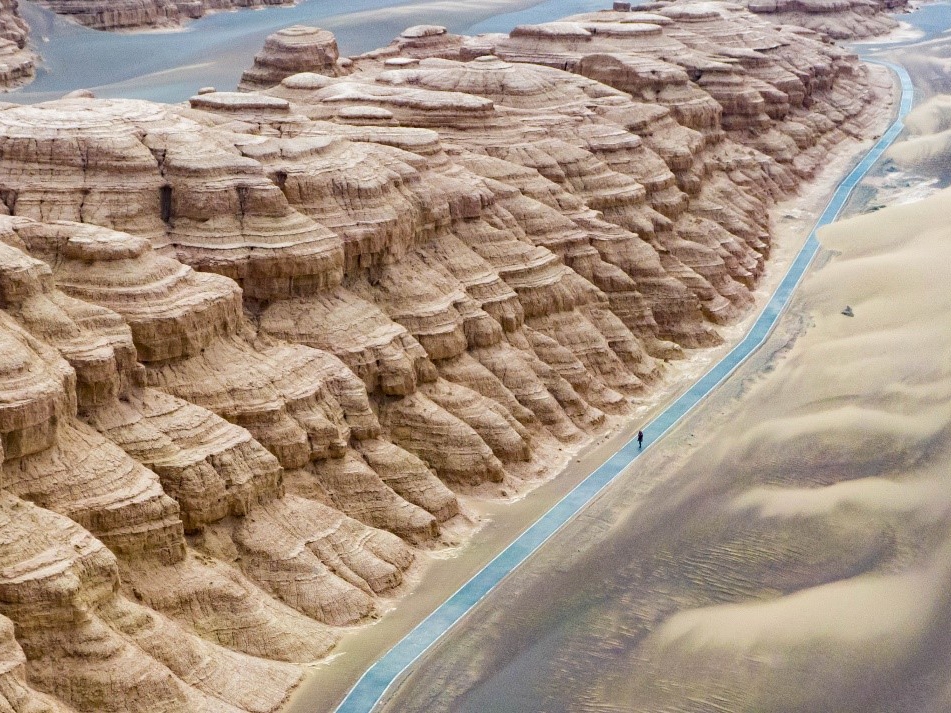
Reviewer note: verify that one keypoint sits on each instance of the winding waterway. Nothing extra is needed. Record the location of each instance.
(169, 66)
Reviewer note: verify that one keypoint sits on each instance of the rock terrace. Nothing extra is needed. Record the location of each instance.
(253, 348)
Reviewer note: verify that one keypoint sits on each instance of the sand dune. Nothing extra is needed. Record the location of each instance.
(799, 561)
(927, 147)
(864, 396)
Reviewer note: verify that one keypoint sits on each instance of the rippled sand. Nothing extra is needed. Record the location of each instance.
(798, 557)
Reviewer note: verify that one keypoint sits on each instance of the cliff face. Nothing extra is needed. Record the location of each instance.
(840, 19)
(139, 14)
(17, 63)
(251, 348)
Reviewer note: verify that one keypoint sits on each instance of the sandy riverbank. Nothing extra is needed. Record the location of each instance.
(445, 571)
(785, 549)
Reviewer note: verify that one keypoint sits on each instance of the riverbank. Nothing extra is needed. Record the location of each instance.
(170, 66)
(792, 220)
(676, 534)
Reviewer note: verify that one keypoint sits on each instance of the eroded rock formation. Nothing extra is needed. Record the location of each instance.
(17, 63)
(840, 19)
(251, 348)
(291, 51)
(138, 14)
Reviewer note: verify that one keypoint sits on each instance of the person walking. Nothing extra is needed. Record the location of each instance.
(640, 439)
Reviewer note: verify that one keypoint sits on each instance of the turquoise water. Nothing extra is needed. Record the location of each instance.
(171, 66)
(933, 20)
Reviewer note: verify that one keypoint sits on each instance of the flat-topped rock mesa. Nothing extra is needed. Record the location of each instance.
(838, 19)
(294, 50)
(299, 49)
(140, 14)
(252, 348)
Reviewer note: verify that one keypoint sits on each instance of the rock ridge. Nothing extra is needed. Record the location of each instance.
(253, 349)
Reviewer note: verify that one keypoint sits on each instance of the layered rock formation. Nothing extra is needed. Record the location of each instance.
(840, 19)
(291, 51)
(251, 348)
(138, 14)
(16, 60)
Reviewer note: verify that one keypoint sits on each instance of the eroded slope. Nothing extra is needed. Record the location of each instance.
(253, 347)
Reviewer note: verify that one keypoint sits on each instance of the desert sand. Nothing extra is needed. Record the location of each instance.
(502, 521)
(263, 352)
(787, 550)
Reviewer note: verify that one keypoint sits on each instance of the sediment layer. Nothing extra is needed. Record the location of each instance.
(253, 348)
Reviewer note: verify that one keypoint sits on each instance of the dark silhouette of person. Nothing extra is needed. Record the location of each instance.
(640, 439)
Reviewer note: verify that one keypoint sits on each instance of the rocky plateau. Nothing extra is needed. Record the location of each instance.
(256, 350)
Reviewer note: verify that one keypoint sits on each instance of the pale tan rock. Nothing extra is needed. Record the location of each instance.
(408, 476)
(17, 61)
(174, 312)
(16, 695)
(191, 194)
(355, 489)
(221, 605)
(421, 41)
(136, 14)
(448, 444)
(376, 348)
(226, 471)
(36, 394)
(239, 337)
(92, 481)
(467, 370)
(494, 424)
(195, 451)
(534, 385)
(280, 395)
(210, 467)
(96, 342)
(96, 650)
(840, 19)
(302, 552)
(293, 50)
(215, 673)
(37, 388)
(41, 162)
(619, 197)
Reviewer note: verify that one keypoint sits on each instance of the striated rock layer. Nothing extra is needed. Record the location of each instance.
(17, 62)
(138, 14)
(840, 19)
(291, 51)
(252, 348)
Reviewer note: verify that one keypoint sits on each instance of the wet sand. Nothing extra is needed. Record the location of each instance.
(446, 572)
